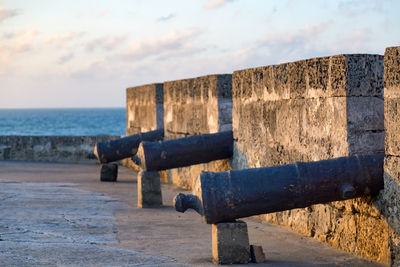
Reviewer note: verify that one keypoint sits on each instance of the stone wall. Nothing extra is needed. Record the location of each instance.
(144, 108)
(183, 108)
(311, 110)
(50, 148)
(390, 197)
(144, 112)
(197, 106)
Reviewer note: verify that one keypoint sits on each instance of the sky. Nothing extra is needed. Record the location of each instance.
(84, 53)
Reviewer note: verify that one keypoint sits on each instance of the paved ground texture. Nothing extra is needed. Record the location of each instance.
(62, 215)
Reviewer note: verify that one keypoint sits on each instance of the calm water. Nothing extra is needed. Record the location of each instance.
(90, 121)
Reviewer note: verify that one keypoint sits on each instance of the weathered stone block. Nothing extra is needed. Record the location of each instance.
(5, 152)
(390, 196)
(149, 189)
(280, 132)
(389, 201)
(257, 254)
(230, 243)
(394, 248)
(109, 172)
(392, 125)
(144, 108)
(186, 177)
(197, 106)
(373, 238)
(341, 75)
(392, 72)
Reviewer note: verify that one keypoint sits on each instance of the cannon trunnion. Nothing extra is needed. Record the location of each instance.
(226, 196)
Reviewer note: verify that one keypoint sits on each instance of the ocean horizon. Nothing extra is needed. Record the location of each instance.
(62, 121)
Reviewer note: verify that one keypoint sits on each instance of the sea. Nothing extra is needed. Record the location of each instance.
(63, 122)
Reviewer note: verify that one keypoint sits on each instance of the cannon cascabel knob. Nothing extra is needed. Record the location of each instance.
(183, 202)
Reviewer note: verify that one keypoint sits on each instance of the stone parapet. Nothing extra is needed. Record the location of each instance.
(50, 148)
(195, 106)
(390, 197)
(312, 110)
(144, 108)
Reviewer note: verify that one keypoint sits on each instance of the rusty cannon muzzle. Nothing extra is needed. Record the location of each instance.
(125, 147)
(226, 196)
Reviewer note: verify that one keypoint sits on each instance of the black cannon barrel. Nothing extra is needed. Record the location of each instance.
(169, 154)
(226, 196)
(124, 147)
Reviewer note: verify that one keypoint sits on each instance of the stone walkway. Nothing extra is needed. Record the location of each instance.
(61, 215)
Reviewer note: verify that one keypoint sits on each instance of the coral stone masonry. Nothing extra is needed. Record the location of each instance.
(308, 110)
(390, 197)
(144, 108)
(197, 106)
(311, 110)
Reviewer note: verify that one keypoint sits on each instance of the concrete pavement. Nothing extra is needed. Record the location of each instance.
(62, 215)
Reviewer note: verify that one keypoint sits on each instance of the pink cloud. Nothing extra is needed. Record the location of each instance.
(287, 46)
(13, 44)
(106, 43)
(8, 13)
(212, 4)
(60, 40)
(105, 12)
(176, 43)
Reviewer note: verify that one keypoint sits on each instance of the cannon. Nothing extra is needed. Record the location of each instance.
(124, 147)
(182, 152)
(226, 196)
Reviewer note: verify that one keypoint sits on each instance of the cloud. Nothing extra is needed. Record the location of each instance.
(79, 15)
(357, 41)
(288, 46)
(8, 13)
(175, 44)
(64, 59)
(212, 4)
(105, 43)
(353, 8)
(61, 40)
(166, 18)
(96, 70)
(13, 44)
(295, 38)
(20, 41)
(105, 12)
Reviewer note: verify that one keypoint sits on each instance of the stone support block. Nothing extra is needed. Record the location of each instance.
(230, 243)
(5, 152)
(149, 189)
(109, 172)
(257, 254)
